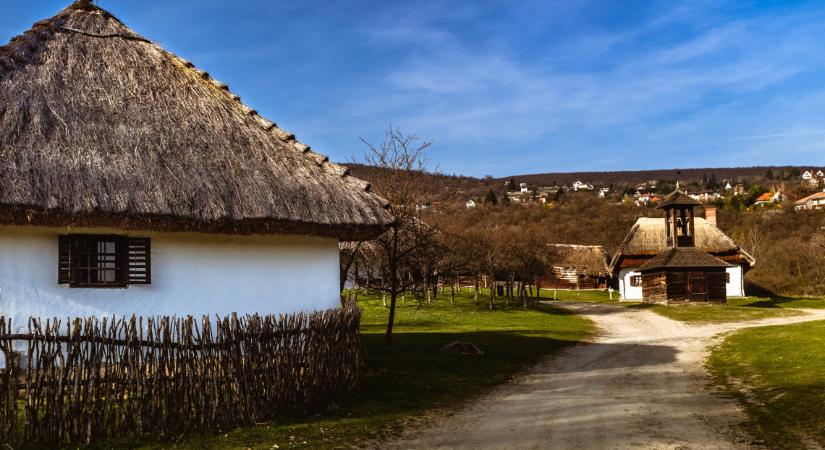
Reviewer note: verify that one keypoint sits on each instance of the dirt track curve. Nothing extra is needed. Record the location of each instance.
(639, 385)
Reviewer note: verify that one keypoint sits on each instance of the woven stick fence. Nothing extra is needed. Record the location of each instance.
(86, 380)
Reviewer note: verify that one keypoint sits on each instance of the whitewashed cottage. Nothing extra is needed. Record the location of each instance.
(134, 183)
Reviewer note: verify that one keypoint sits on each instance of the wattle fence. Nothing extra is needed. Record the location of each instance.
(90, 379)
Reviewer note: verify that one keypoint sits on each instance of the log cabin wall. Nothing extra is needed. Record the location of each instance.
(717, 289)
(674, 286)
(654, 287)
(678, 289)
(572, 278)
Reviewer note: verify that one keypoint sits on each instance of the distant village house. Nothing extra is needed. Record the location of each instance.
(576, 267)
(813, 201)
(581, 186)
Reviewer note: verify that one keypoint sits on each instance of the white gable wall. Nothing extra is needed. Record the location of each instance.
(192, 274)
(734, 288)
(627, 291)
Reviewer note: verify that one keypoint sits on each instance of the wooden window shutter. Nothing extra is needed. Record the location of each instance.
(64, 260)
(140, 261)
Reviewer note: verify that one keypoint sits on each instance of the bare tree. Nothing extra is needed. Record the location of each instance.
(400, 176)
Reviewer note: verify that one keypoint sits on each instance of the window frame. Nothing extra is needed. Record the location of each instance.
(81, 258)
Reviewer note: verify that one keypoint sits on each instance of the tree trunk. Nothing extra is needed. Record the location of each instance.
(476, 291)
(452, 294)
(524, 297)
(492, 290)
(393, 263)
(388, 337)
(511, 285)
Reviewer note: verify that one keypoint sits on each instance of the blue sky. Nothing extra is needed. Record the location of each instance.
(512, 87)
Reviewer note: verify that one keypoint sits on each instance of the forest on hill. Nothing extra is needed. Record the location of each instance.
(447, 187)
(788, 245)
(640, 176)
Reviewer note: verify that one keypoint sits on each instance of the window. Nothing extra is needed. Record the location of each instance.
(103, 261)
(636, 280)
(727, 277)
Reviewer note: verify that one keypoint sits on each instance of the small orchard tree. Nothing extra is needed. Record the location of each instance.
(400, 165)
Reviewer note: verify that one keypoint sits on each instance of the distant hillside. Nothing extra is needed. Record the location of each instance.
(455, 187)
(638, 176)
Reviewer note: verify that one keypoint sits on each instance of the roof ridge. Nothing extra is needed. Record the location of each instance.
(627, 239)
(21, 48)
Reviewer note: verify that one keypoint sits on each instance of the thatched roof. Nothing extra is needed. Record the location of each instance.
(683, 258)
(101, 127)
(592, 258)
(647, 238)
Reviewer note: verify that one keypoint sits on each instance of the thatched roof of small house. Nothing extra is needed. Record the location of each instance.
(683, 258)
(592, 258)
(647, 238)
(101, 127)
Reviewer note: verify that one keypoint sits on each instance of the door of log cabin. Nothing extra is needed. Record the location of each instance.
(698, 286)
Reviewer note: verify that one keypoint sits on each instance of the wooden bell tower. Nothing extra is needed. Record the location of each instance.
(679, 220)
(682, 272)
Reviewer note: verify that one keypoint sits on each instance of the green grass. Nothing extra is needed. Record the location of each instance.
(412, 377)
(735, 310)
(776, 373)
(592, 296)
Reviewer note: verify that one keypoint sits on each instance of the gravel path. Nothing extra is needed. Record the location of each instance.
(640, 384)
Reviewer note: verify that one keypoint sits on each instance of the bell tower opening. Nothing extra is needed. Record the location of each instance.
(679, 220)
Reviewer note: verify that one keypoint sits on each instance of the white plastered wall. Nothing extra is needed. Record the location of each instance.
(192, 274)
(627, 291)
(736, 284)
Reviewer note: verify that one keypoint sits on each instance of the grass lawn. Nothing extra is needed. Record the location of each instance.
(592, 296)
(776, 373)
(411, 377)
(736, 309)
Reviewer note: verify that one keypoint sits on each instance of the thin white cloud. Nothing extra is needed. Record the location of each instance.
(779, 135)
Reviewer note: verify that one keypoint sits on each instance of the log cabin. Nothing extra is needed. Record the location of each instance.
(576, 267)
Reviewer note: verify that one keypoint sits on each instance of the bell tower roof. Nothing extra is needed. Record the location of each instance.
(678, 198)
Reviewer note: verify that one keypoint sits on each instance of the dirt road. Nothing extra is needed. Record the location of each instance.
(640, 384)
